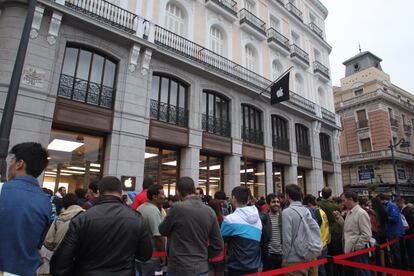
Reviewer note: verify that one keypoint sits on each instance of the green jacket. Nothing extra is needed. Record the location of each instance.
(335, 229)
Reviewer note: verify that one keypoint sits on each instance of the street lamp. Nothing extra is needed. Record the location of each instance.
(403, 144)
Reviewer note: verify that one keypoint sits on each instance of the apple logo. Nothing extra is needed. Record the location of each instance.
(128, 183)
(279, 92)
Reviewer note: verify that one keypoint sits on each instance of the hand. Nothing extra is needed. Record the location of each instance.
(336, 214)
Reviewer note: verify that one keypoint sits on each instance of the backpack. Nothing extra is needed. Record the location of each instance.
(308, 246)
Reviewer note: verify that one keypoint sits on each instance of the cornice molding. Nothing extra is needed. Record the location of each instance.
(320, 7)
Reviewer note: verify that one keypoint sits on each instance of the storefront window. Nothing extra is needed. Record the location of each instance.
(75, 159)
(252, 174)
(210, 176)
(278, 179)
(302, 180)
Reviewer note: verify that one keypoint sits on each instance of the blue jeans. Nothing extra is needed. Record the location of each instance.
(148, 268)
(322, 269)
(357, 271)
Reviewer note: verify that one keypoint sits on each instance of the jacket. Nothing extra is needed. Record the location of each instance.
(139, 199)
(60, 226)
(190, 226)
(357, 229)
(335, 229)
(24, 219)
(242, 231)
(267, 233)
(395, 226)
(102, 241)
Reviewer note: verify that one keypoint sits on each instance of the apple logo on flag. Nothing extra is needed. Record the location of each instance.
(128, 182)
(279, 92)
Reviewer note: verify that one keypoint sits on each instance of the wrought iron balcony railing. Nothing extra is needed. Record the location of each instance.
(252, 20)
(320, 68)
(295, 50)
(394, 122)
(252, 135)
(273, 35)
(106, 12)
(85, 91)
(316, 29)
(407, 128)
(168, 113)
(295, 11)
(281, 143)
(303, 149)
(216, 125)
(326, 156)
(362, 123)
(228, 5)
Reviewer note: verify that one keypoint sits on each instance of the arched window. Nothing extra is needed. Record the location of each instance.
(280, 133)
(302, 140)
(175, 19)
(251, 124)
(87, 76)
(324, 141)
(169, 100)
(216, 113)
(217, 40)
(299, 86)
(251, 57)
(277, 69)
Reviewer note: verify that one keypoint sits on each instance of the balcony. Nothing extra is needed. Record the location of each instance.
(252, 136)
(295, 11)
(407, 128)
(326, 156)
(277, 41)
(318, 31)
(281, 143)
(303, 149)
(280, 2)
(85, 91)
(226, 8)
(216, 125)
(168, 113)
(321, 71)
(362, 123)
(327, 115)
(252, 24)
(394, 122)
(299, 56)
(106, 12)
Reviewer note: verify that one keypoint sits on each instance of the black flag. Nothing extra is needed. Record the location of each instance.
(279, 91)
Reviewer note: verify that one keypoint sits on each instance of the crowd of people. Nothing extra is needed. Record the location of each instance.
(96, 231)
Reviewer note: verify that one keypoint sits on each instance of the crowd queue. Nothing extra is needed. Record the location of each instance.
(96, 231)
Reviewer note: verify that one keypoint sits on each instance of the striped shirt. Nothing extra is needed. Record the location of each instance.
(275, 244)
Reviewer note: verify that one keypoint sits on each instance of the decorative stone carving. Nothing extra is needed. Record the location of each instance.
(133, 57)
(146, 62)
(54, 27)
(37, 21)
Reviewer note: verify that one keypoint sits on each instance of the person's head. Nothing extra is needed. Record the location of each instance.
(147, 183)
(240, 195)
(27, 159)
(62, 191)
(93, 189)
(383, 197)
(274, 203)
(400, 203)
(199, 191)
(309, 200)
(69, 200)
(155, 194)
(185, 187)
(47, 191)
(220, 195)
(80, 193)
(110, 185)
(326, 192)
(349, 199)
(293, 192)
(215, 204)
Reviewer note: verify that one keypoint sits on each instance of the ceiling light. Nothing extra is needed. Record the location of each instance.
(149, 155)
(277, 173)
(299, 176)
(76, 168)
(95, 165)
(212, 168)
(73, 172)
(247, 171)
(63, 145)
(260, 173)
(171, 163)
(94, 170)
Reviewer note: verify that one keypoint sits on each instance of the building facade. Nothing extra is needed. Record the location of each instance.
(376, 114)
(163, 89)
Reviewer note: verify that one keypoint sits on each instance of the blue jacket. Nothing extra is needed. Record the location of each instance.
(394, 226)
(242, 230)
(24, 220)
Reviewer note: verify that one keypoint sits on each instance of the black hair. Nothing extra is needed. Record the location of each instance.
(69, 200)
(93, 186)
(380, 210)
(185, 186)
(34, 155)
(61, 188)
(326, 192)
(294, 192)
(241, 193)
(351, 195)
(270, 197)
(201, 190)
(80, 193)
(309, 199)
(220, 195)
(147, 183)
(110, 184)
(153, 190)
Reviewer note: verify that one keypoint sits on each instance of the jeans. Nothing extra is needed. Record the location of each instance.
(322, 269)
(395, 253)
(272, 261)
(350, 271)
(232, 272)
(410, 253)
(148, 268)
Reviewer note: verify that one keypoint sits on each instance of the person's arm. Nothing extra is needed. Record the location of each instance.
(215, 239)
(143, 251)
(49, 242)
(364, 225)
(286, 234)
(168, 223)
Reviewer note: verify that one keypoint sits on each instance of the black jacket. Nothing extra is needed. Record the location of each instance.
(267, 233)
(102, 241)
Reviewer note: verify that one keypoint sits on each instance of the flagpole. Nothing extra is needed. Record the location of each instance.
(278, 78)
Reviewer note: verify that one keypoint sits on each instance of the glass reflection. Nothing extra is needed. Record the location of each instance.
(210, 174)
(252, 174)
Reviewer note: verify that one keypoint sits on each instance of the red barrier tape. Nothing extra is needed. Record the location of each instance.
(157, 254)
(291, 268)
(409, 236)
(373, 267)
(355, 253)
(391, 242)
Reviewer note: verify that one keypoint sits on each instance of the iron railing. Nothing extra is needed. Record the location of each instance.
(251, 19)
(295, 11)
(106, 12)
(303, 149)
(362, 123)
(85, 91)
(326, 156)
(327, 115)
(394, 122)
(252, 135)
(281, 2)
(320, 68)
(216, 125)
(281, 143)
(228, 5)
(316, 29)
(407, 128)
(278, 38)
(168, 113)
(302, 102)
(295, 50)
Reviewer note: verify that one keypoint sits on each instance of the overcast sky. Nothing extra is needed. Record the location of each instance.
(383, 27)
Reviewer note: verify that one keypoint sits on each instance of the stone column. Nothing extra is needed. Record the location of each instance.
(269, 170)
(190, 156)
(314, 177)
(336, 183)
(232, 167)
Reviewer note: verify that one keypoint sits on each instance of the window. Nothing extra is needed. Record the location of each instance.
(299, 86)
(169, 100)
(216, 113)
(211, 173)
(365, 145)
(302, 180)
(356, 67)
(216, 40)
(358, 92)
(362, 118)
(325, 144)
(277, 69)
(280, 133)
(296, 39)
(390, 113)
(250, 58)
(322, 98)
(278, 179)
(175, 19)
(302, 140)
(251, 124)
(87, 76)
(252, 175)
(366, 173)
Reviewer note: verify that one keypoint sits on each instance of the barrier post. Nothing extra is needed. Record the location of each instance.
(330, 265)
(378, 258)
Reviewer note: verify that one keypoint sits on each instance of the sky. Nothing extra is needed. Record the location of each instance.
(383, 27)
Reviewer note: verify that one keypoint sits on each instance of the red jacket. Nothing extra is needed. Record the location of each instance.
(139, 199)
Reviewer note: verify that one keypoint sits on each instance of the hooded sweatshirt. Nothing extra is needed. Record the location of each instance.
(60, 226)
(242, 231)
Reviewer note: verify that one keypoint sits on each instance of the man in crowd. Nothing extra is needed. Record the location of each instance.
(409, 243)
(271, 241)
(92, 195)
(193, 233)
(242, 231)
(61, 192)
(357, 231)
(141, 198)
(24, 210)
(152, 218)
(105, 240)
